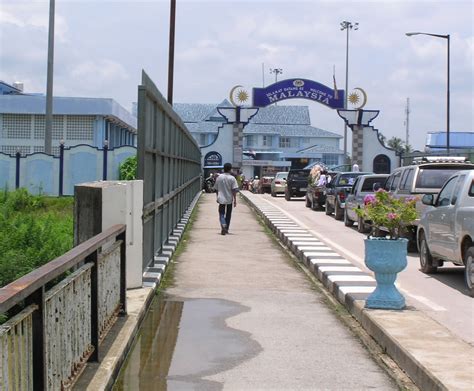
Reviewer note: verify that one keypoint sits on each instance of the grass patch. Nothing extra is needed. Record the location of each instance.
(33, 231)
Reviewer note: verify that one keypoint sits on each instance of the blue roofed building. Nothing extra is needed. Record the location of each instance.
(437, 141)
(275, 139)
(76, 121)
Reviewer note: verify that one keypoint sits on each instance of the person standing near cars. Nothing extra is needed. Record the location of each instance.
(226, 189)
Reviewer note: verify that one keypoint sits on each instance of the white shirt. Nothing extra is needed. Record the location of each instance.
(225, 186)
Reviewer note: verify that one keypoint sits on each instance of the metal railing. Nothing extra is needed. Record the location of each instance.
(65, 308)
(169, 162)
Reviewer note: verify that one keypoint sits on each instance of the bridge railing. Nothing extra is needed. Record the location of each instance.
(63, 310)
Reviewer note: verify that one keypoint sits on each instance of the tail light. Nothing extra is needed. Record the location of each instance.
(277, 183)
(342, 196)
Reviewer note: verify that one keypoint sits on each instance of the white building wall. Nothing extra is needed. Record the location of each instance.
(373, 147)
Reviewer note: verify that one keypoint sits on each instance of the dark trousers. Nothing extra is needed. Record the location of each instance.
(225, 213)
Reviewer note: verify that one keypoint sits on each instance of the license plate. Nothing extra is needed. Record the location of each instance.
(302, 188)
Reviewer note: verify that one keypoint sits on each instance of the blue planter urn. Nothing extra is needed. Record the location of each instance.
(386, 258)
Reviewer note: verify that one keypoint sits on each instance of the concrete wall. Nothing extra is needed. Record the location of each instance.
(372, 147)
(40, 173)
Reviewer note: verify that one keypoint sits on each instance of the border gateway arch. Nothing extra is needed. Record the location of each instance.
(298, 89)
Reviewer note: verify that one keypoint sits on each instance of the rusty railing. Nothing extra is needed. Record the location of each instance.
(59, 314)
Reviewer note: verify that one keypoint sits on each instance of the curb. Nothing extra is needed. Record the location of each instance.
(429, 355)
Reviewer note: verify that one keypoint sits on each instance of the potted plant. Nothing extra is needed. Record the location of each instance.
(385, 246)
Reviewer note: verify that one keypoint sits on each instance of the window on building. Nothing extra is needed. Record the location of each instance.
(330, 159)
(267, 141)
(249, 140)
(284, 142)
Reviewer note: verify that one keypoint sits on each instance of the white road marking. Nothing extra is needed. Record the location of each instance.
(356, 289)
(424, 300)
(349, 278)
(331, 261)
(338, 269)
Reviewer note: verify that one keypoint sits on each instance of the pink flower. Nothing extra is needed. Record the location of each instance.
(369, 199)
(391, 216)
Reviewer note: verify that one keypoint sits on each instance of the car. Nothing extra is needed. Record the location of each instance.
(445, 232)
(337, 190)
(363, 186)
(296, 183)
(425, 176)
(279, 183)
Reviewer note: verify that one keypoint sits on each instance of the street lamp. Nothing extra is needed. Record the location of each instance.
(276, 71)
(346, 25)
(48, 122)
(447, 88)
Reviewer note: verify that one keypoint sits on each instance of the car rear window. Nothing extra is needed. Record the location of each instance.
(347, 179)
(303, 174)
(471, 190)
(369, 183)
(434, 178)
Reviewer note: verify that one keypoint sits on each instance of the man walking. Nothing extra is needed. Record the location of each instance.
(226, 188)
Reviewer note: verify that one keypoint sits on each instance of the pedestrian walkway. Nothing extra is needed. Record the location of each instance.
(287, 336)
(245, 317)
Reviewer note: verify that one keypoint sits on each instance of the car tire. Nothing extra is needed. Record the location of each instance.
(338, 212)
(469, 270)
(308, 203)
(362, 227)
(287, 196)
(313, 205)
(273, 194)
(327, 209)
(347, 221)
(426, 260)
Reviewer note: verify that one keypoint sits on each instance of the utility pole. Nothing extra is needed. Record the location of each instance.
(171, 51)
(48, 123)
(407, 122)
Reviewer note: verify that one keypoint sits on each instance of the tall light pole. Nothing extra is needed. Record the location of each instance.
(447, 38)
(276, 71)
(346, 25)
(48, 124)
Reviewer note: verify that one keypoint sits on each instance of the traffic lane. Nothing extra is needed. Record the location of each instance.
(442, 296)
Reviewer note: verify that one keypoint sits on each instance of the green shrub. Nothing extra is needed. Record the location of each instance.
(128, 169)
(33, 231)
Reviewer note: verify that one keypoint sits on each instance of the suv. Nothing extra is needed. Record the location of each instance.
(446, 232)
(296, 183)
(363, 185)
(337, 190)
(426, 176)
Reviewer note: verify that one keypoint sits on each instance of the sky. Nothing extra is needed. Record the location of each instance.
(102, 46)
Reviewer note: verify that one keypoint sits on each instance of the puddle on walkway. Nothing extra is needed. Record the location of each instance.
(180, 342)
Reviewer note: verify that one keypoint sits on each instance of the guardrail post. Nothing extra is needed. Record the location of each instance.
(39, 367)
(94, 305)
(123, 273)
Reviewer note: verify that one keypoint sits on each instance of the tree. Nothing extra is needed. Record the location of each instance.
(397, 144)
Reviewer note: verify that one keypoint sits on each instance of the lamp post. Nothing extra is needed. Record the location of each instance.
(447, 37)
(346, 25)
(276, 71)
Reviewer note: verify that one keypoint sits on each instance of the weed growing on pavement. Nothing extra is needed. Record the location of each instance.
(169, 276)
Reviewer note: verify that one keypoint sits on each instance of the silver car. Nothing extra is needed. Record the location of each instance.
(446, 230)
(279, 183)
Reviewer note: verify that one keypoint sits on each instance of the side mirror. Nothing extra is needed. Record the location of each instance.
(428, 199)
(376, 186)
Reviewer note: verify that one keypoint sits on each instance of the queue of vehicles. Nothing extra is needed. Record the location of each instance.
(443, 187)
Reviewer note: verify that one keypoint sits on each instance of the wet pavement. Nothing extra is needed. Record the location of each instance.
(180, 342)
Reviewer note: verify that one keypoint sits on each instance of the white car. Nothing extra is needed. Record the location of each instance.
(446, 231)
